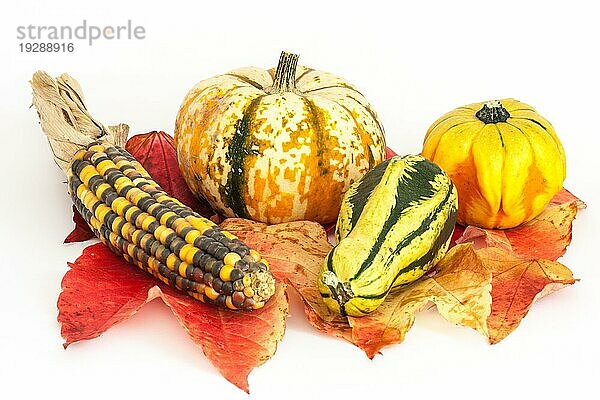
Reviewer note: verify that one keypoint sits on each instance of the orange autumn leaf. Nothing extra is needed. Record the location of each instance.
(101, 289)
(459, 286)
(522, 261)
(295, 252)
(488, 289)
(546, 236)
(470, 287)
(516, 283)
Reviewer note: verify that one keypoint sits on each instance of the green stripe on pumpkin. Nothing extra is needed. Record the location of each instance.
(314, 119)
(236, 154)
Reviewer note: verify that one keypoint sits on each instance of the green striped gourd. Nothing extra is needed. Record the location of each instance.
(394, 224)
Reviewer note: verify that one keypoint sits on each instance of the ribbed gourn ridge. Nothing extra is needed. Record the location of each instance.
(136, 219)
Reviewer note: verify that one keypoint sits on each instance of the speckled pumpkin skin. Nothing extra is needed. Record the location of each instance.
(276, 157)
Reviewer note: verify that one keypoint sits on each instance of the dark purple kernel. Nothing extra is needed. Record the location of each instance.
(217, 284)
(189, 271)
(208, 279)
(221, 300)
(227, 288)
(262, 266)
(242, 251)
(236, 274)
(179, 282)
(188, 285)
(247, 259)
(248, 304)
(203, 242)
(204, 259)
(209, 264)
(217, 268)
(197, 259)
(198, 275)
(212, 248)
(221, 252)
(212, 232)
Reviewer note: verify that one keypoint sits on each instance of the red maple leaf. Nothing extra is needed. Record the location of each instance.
(101, 290)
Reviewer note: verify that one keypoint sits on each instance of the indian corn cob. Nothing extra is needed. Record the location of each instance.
(130, 213)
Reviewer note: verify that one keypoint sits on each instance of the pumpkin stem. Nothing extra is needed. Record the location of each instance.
(492, 112)
(285, 75)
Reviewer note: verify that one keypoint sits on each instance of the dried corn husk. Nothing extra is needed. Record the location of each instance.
(65, 119)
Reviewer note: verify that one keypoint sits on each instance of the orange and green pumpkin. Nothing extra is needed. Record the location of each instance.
(276, 145)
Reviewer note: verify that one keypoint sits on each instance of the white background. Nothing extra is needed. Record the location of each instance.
(413, 61)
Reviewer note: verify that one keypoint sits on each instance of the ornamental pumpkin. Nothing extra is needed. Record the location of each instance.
(276, 145)
(504, 158)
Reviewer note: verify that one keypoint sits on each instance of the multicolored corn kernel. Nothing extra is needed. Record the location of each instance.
(134, 217)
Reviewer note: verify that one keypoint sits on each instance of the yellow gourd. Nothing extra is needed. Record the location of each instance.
(504, 158)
